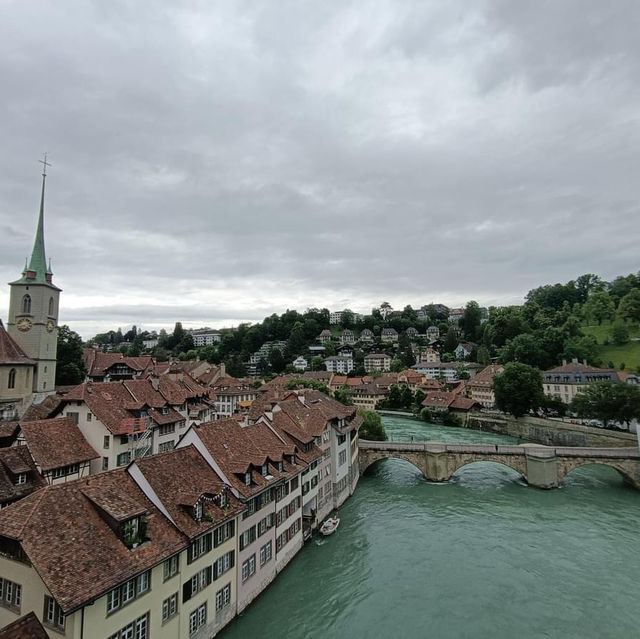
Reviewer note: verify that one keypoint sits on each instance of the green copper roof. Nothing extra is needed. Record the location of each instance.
(38, 262)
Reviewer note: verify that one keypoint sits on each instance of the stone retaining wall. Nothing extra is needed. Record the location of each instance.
(550, 432)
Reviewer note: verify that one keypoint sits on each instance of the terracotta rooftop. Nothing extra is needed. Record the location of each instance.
(485, 377)
(10, 352)
(44, 410)
(27, 627)
(70, 544)
(176, 488)
(237, 450)
(99, 363)
(54, 443)
(14, 461)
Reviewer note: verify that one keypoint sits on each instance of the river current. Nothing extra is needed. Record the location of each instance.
(481, 557)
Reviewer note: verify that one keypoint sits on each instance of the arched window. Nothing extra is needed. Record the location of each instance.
(12, 378)
(26, 304)
(51, 306)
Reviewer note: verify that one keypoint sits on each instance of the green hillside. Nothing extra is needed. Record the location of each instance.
(627, 354)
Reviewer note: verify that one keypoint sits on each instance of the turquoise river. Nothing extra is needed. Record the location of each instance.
(481, 557)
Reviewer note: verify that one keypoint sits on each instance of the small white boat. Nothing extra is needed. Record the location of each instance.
(329, 526)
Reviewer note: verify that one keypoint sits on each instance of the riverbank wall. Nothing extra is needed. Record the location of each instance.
(550, 432)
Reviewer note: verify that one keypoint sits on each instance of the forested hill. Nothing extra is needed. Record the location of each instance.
(586, 318)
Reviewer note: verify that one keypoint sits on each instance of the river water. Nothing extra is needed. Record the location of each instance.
(481, 557)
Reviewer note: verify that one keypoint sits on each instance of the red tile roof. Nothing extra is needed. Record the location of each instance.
(10, 352)
(71, 545)
(237, 450)
(54, 443)
(177, 489)
(99, 363)
(13, 461)
(27, 627)
(44, 410)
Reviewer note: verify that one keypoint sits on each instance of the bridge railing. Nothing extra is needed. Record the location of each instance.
(501, 449)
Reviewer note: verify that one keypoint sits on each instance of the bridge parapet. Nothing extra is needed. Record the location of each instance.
(540, 466)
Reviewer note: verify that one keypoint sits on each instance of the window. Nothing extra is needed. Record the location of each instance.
(170, 567)
(198, 582)
(51, 307)
(74, 417)
(53, 615)
(295, 483)
(63, 471)
(199, 547)
(26, 304)
(265, 524)
(342, 457)
(223, 597)
(138, 629)
(247, 479)
(105, 441)
(341, 439)
(266, 553)
(10, 594)
(223, 533)
(89, 417)
(224, 563)
(166, 447)
(128, 591)
(123, 459)
(105, 463)
(167, 429)
(197, 511)
(12, 378)
(247, 537)
(249, 568)
(264, 470)
(170, 607)
(197, 618)
(21, 479)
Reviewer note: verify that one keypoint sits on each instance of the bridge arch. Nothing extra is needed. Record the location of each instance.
(565, 468)
(517, 464)
(372, 457)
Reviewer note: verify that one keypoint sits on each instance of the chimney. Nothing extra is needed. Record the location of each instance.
(564, 362)
(574, 360)
(584, 361)
(223, 370)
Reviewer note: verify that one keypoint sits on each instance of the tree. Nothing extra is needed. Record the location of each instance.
(608, 401)
(343, 395)
(619, 334)
(276, 360)
(372, 427)
(629, 307)
(418, 398)
(599, 307)
(70, 368)
(303, 382)
(518, 389)
(470, 321)
(484, 356)
(462, 372)
(450, 340)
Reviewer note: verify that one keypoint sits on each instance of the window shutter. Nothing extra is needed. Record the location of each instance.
(209, 572)
(233, 558)
(186, 591)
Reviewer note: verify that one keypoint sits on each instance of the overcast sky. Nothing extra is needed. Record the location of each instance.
(220, 161)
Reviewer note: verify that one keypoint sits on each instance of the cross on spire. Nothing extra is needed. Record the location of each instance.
(45, 165)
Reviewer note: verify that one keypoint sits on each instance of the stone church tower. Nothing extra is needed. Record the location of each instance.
(33, 311)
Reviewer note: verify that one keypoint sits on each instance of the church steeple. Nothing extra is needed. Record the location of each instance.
(37, 271)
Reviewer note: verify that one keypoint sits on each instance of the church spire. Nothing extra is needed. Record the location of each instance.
(37, 269)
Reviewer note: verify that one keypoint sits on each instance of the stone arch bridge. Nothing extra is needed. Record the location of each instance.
(540, 466)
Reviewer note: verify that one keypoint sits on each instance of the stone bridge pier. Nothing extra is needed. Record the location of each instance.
(540, 466)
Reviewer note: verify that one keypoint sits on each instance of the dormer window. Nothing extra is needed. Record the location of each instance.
(130, 531)
(280, 466)
(197, 511)
(247, 479)
(223, 499)
(264, 470)
(21, 478)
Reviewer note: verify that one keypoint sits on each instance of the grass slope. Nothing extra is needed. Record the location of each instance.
(627, 354)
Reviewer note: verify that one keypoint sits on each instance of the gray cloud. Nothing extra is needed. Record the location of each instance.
(219, 162)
